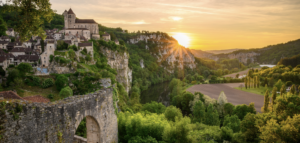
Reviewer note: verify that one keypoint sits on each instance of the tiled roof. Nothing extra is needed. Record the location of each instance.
(10, 95)
(28, 57)
(85, 21)
(37, 98)
(2, 59)
(68, 41)
(70, 11)
(21, 50)
(85, 44)
(4, 37)
(4, 42)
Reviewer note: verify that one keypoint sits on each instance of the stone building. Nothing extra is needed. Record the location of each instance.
(10, 32)
(71, 22)
(45, 56)
(106, 36)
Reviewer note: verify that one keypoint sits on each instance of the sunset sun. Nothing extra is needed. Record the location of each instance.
(182, 39)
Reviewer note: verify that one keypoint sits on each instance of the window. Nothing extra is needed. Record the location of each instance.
(44, 58)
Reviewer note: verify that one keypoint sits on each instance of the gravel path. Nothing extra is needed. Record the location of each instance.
(234, 96)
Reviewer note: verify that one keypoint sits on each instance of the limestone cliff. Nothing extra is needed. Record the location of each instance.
(119, 62)
(241, 56)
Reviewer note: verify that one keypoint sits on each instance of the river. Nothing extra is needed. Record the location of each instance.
(159, 93)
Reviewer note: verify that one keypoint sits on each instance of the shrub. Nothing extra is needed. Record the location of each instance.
(51, 58)
(193, 82)
(36, 81)
(66, 92)
(154, 107)
(47, 83)
(50, 96)
(61, 82)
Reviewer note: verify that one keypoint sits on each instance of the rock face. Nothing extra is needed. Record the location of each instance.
(119, 62)
(241, 56)
(25, 122)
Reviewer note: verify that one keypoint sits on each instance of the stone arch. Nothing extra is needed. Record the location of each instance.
(92, 128)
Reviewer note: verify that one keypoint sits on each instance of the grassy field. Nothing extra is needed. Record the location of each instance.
(260, 91)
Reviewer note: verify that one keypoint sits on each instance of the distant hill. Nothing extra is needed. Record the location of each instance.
(200, 53)
(267, 55)
(222, 51)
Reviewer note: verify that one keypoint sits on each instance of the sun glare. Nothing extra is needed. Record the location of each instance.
(182, 39)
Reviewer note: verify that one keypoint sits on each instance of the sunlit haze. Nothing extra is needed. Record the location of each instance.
(182, 39)
(210, 24)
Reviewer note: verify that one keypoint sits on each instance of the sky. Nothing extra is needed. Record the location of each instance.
(204, 24)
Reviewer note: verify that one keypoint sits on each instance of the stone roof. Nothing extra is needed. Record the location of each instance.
(37, 98)
(10, 95)
(28, 57)
(10, 29)
(68, 41)
(85, 44)
(2, 59)
(105, 34)
(21, 50)
(4, 42)
(85, 21)
(5, 37)
(49, 37)
(70, 11)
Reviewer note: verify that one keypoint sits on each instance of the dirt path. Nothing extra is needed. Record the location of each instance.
(234, 96)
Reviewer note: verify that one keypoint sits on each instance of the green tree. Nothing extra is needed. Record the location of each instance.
(265, 108)
(282, 90)
(66, 92)
(3, 27)
(226, 133)
(249, 129)
(198, 112)
(274, 95)
(293, 89)
(279, 84)
(24, 68)
(228, 109)
(232, 122)
(242, 110)
(154, 107)
(30, 16)
(172, 112)
(212, 116)
(61, 82)
(2, 72)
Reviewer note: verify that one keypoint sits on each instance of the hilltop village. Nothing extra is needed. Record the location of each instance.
(37, 52)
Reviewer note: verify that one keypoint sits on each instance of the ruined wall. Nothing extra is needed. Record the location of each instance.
(56, 122)
(119, 61)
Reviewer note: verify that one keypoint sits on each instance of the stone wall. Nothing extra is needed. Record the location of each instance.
(56, 122)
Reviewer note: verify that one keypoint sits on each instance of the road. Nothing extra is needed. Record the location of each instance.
(234, 96)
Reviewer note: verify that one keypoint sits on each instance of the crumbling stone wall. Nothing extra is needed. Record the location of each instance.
(56, 122)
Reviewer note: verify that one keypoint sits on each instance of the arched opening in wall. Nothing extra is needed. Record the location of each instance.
(88, 131)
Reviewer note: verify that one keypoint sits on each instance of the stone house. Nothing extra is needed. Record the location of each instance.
(3, 44)
(4, 62)
(10, 32)
(58, 36)
(48, 50)
(71, 22)
(106, 36)
(5, 38)
(88, 46)
(117, 41)
(31, 59)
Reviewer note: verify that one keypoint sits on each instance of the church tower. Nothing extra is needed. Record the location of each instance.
(69, 17)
